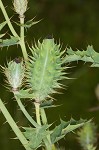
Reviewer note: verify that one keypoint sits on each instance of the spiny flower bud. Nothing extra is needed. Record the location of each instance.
(20, 6)
(45, 69)
(87, 136)
(15, 73)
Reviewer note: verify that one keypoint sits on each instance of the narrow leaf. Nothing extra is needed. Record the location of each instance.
(9, 42)
(47, 104)
(2, 25)
(30, 23)
(1, 35)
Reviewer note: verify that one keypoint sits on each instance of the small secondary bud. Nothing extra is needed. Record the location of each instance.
(20, 7)
(15, 73)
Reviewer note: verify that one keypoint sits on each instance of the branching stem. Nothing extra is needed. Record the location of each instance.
(25, 112)
(21, 38)
(8, 20)
(14, 126)
(43, 116)
(22, 42)
(46, 141)
(37, 109)
(44, 120)
(39, 113)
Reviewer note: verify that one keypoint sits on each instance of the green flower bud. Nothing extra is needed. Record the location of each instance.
(15, 73)
(45, 69)
(87, 136)
(20, 6)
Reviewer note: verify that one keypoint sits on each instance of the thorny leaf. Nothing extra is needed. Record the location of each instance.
(8, 42)
(65, 127)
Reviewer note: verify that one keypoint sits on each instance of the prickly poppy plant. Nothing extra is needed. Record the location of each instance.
(36, 77)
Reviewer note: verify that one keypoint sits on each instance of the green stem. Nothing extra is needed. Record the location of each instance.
(21, 38)
(14, 126)
(22, 42)
(8, 20)
(47, 144)
(44, 120)
(37, 109)
(43, 116)
(25, 112)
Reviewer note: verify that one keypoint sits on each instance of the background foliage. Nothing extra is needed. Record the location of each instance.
(74, 23)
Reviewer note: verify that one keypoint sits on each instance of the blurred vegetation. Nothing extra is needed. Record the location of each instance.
(74, 23)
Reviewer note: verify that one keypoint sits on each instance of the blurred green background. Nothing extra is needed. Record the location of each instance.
(74, 23)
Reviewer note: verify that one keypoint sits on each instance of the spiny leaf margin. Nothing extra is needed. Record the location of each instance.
(89, 55)
(36, 135)
(65, 127)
